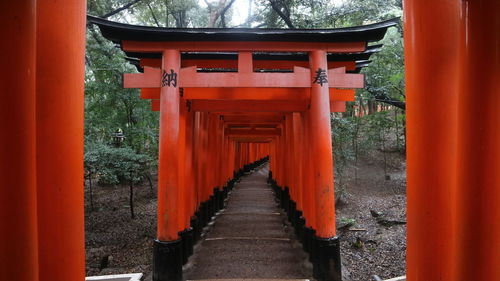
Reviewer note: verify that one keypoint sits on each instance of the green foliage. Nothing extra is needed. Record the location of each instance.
(169, 13)
(343, 131)
(347, 221)
(378, 123)
(112, 165)
(108, 106)
(385, 75)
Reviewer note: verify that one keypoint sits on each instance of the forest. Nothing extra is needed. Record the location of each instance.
(121, 131)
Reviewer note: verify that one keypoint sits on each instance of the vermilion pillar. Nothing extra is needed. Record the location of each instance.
(190, 199)
(167, 255)
(478, 208)
(298, 153)
(307, 178)
(183, 218)
(181, 148)
(433, 31)
(18, 222)
(59, 110)
(197, 158)
(327, 262)
(321, 147)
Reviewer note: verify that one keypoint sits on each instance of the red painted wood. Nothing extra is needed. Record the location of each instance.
(257, 64)
(321, 146)
(288, 94)
(168, 169)
(18, 223)
(60, 69)
(341, 47)
(247, 106)
(252, 132)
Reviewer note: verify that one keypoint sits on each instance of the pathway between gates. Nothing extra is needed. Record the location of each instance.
(250, 238)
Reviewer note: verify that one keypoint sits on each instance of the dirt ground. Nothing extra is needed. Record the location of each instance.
(115, 243)
(374, 244)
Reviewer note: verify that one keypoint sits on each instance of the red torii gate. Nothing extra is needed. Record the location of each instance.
(246, 72)
(453, 153)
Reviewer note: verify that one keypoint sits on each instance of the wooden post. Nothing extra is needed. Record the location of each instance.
(321, 147)
(212, 163)
(197, 157)
(327, 255)
(478, 208)
(18, 222)
(181, 148)
(59, 110)
(167, 253)
(307, 179)
(298, 135)
(432, 67)
(190, 200)
(183, 218)
(190, 166)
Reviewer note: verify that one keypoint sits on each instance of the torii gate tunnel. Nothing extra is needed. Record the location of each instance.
(230, 99)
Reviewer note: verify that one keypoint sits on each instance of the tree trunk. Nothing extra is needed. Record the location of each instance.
(120, 9)
(397, 127)
(91, 194)
(404, 135)
(382, 139)
(285, 16)
(355, 144)
(131, 201)
(371, 106)
(148, 176)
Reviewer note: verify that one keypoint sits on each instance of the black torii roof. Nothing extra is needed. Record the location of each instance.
(118, 32)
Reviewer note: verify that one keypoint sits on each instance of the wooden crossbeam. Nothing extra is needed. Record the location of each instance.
(257, 64)
(248, 106)
(337, 106)
(251, 94)
(255, 118)
(251, 125)
(251, 106)
(250, 46)
(252, 132)
(190, 78)
(250, 140)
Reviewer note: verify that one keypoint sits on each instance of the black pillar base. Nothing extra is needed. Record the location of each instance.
(211, 208)
(225, 191)
(187, 244)
(313, 250)
(327, 265)
(195, 224)
(216, 198)
(299, 223)
(220, 199)
(308, 238)
(203, 215)
(270, 177)
(167, 260)
(292, 212)
(286, 203)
